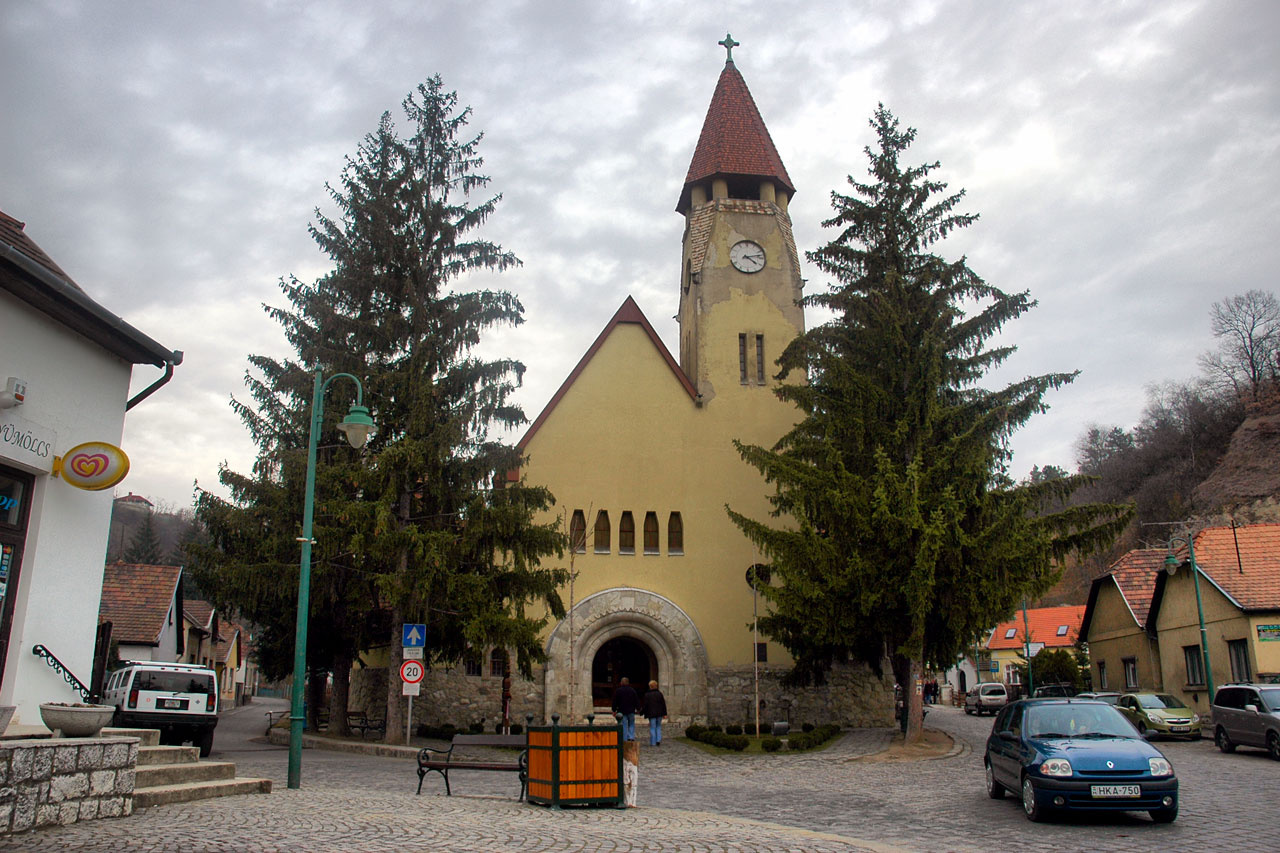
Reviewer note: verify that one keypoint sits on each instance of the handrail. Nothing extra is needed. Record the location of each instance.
(61, 668)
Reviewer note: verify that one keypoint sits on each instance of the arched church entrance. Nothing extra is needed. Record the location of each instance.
(619, 658)
(625, 632)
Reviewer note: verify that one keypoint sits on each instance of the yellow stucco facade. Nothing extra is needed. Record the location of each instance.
(1116, 638)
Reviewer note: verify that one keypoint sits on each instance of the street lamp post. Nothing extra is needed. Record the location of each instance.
(1171, 566)
(357, 426)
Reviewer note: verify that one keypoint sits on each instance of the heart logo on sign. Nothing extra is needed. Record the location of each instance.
(90, 465)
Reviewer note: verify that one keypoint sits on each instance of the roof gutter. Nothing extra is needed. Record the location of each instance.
(69, 293)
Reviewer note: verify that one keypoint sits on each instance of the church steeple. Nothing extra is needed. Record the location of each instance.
(740, 272)
(735, 156)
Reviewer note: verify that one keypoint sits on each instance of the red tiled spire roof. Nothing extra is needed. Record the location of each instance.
(734, 140)
(1044, 622)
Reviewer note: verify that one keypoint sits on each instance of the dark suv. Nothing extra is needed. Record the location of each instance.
(1247, 715)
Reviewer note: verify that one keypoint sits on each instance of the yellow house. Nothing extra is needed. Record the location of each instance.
(1122, 655)
(1034, 629)
(1239, 580)
(637, 447)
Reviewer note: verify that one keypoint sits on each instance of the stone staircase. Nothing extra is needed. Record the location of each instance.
(175, 774)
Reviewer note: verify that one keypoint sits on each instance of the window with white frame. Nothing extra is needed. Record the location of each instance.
(1195, 665)
(1130, 673)
(1102, 675)
(1238, 651)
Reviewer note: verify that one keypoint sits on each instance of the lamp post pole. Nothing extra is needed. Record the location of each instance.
(357, 426)
(1026, 633)
(1171, 563)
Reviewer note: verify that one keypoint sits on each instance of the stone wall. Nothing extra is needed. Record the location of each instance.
(852, 696)
(62, 781)
(452, 696)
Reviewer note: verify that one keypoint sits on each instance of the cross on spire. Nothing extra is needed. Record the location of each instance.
(728, 44)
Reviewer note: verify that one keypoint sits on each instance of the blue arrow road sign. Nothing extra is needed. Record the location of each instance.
(415, 635)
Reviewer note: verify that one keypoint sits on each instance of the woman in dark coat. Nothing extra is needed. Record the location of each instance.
(654, 706)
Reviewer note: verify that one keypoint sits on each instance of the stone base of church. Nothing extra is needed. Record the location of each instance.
(452, 697)
(853, 696)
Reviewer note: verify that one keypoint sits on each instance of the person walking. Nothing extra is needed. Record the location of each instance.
(625, 702)
(654, 707)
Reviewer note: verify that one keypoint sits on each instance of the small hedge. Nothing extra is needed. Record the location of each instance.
(715, 737)
(771, 744)
(806, 727)
(733, 730)
(810, 739)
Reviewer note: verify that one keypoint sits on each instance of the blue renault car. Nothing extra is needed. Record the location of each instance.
(1077, 755)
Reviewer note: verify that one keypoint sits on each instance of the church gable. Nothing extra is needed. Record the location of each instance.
(627, 356)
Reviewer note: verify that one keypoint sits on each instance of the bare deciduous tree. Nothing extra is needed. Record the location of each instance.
(1248, 330)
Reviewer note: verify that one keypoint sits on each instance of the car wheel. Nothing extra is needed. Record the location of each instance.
(204, 740)
(968, 710)
(1273, 745)
(1223, 741)
(1164, 815)
(1031, 803)
(994, 789)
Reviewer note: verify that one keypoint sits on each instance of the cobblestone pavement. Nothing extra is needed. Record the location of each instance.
(690, 801)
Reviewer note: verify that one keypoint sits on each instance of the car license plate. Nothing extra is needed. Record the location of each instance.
(173, 704)
(1112, 791)
(1179, 728)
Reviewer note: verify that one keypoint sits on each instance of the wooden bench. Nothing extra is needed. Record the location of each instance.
(358, 721)
(444, 760)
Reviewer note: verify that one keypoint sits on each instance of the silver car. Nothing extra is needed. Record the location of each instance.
(986, 699)
(1247, 715)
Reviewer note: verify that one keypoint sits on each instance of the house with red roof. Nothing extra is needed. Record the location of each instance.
(200, 629)
(68, 363)
(1122, 655)
(1033, 630)
(1238, 574)
(144, 606)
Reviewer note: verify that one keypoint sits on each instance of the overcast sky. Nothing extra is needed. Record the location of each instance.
(169, 156)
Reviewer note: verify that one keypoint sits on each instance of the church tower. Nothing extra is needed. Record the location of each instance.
(740, 275)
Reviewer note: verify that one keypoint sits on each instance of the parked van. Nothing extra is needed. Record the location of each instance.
(1247, 715)
(181, 700)
(986, 698)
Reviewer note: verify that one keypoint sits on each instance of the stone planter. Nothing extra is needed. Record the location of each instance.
(76, 720)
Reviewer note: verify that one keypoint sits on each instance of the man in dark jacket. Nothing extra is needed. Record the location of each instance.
(625, 702)
(655, 711)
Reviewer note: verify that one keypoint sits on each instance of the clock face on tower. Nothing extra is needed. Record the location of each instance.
(747, 256)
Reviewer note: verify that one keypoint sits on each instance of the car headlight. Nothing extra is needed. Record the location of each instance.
(1195, 718)
(1160, 767)
(1056, 767)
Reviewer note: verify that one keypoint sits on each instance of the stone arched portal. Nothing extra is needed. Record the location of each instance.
(669, 634)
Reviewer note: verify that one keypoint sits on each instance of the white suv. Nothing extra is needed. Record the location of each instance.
(986, 698)
(181, 700)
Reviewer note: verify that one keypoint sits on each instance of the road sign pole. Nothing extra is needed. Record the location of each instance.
(408, 723)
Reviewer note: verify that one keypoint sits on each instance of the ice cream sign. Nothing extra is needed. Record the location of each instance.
(94, 465)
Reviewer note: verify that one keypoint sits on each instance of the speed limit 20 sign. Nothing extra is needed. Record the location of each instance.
(411, 671)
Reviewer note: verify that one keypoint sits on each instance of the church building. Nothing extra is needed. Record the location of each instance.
(637, 447)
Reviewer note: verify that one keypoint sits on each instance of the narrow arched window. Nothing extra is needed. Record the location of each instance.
(675, 534)
(627, 534)
(498, 662)
(578, 532)
(602, 532)
(651, 533)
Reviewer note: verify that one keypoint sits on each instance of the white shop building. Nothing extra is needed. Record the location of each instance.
(65, 368)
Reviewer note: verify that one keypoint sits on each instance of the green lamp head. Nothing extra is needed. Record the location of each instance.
(357, 426)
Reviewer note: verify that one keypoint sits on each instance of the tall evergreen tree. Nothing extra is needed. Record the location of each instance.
(900, 533)
(412, 528)
(144, 547)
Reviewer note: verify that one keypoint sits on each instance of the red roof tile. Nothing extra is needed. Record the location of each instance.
(1243, 562)
(199, 612)
(734, 139)
(136, 601)
(1135, 574)
(1044, 622)
(11, 232)
(228, 633)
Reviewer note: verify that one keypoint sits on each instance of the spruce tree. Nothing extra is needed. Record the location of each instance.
(144, 547)
(899, 533)
(422, 525)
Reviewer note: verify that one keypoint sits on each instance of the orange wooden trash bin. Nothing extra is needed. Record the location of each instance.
(575, 765)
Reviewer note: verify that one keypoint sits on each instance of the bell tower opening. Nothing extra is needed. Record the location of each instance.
(621, 657)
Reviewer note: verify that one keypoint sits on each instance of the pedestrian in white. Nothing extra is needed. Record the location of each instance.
(630, 770)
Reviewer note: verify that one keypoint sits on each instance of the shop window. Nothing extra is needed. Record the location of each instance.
(627, 534)
(578, 532)
(651, 533)
(675, 534)
(602, 544)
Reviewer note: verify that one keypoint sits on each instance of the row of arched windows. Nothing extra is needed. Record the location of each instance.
(602, 533)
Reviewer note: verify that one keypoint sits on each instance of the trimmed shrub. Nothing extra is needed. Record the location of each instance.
(771, 744)
(694, 732)
(715, 727)
(733, 730)
(476, 728)
(806, 727)
(516, 729)
(799, 742)
(749, 729)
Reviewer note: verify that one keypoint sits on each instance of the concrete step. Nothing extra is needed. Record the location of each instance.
(149, 755)
(187, 791)
(158, 775)
(147, 737)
